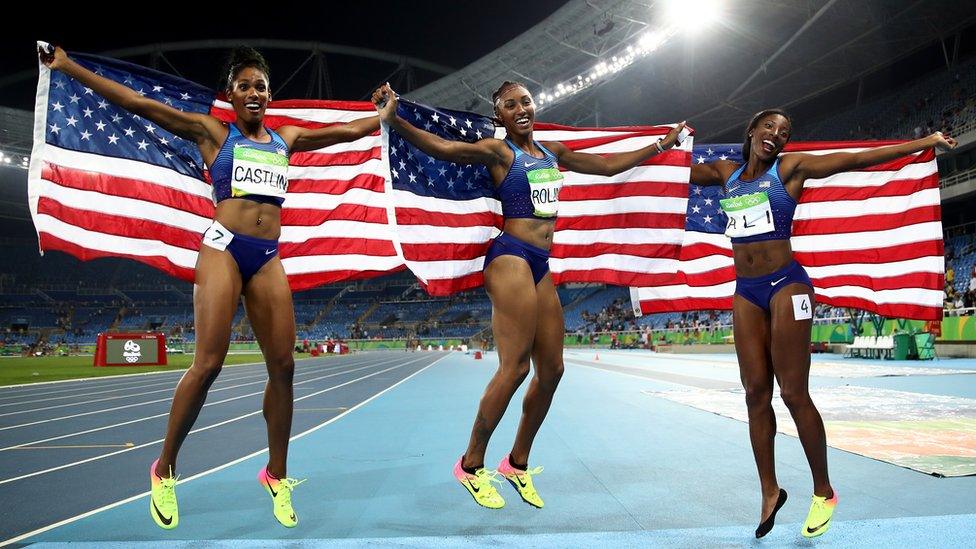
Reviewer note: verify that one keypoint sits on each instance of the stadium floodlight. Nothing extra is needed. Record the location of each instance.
(679, 16)
(622, 57)
(692, 14)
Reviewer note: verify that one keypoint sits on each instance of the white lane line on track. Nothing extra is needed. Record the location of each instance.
(85, 403)
(94, 412)
(107, 378)
(219, 467)
(122, 386)
(229, 372)
(27, 386)
(78, 446)
(81, 414)
(208, 427)
(168, 387)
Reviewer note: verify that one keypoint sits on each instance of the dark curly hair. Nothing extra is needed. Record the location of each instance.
(243, 57)
(503, 88)
(746, 144)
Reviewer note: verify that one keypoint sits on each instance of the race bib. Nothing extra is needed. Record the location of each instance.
(217, 237)
(544, 185)
(748, 214)
(258, 172)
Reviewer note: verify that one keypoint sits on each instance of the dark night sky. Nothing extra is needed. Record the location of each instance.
(444, 32)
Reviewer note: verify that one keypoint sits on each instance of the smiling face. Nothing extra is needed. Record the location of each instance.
(249, 94)
(769, 135)
(516, 110)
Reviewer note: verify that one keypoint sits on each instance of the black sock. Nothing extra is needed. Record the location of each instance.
(472, 470)
(519, 466)
(270, 475)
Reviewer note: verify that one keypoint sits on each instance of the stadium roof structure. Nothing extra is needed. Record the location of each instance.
(313, 73)
(758, 54)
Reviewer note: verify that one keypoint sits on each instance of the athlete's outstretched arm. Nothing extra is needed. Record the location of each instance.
(487, 151)
(611, 164)
(305, 139)
(712, 173)
(199, 128)
(805, 166)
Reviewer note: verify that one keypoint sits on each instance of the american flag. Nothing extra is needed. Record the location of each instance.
(870, 239)
(624, 230)
(104, 182)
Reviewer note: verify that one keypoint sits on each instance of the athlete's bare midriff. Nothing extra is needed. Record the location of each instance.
(761, 258)
(537, 232)
(251, 218)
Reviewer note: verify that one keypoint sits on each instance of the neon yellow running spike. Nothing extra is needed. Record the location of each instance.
(522, 481)
(280, 492)
(162, 499)
(818, 519)
(479, 486)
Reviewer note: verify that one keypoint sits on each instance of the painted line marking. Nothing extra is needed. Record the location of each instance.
(164, 413)
(219, 467)
(79, 446)
(167, 399)
(198, 430)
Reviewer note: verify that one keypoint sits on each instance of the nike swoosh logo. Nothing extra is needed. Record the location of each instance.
(219, 235)
(528, 165)
(519, 479)
(165, 520)
(775, 282)
(273, 493)
(733, 189)
(476, 490)
(269, 252)
(815, 528)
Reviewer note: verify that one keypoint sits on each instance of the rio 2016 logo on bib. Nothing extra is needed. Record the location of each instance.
(259, 172)
(544, 185)
(749, 215)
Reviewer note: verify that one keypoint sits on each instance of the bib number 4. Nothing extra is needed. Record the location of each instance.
(802, 309)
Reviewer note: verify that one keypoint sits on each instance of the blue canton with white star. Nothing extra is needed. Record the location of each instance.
(413, 170)
(81, 120)
(705, 214)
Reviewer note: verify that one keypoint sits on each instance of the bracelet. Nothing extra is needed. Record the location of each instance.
(657, 144)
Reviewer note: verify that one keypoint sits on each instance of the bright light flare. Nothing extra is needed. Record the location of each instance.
(693, 15)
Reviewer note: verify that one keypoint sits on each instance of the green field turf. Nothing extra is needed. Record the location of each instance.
(14, 370)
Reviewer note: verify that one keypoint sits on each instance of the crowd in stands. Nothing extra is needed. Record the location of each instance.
(943, 101)
(960, 275)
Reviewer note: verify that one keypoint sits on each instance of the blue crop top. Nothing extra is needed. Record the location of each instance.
(251, 170)
(531, 187)
(758, 209)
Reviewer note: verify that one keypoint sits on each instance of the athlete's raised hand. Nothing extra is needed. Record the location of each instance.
(385, 100)
(52, 56)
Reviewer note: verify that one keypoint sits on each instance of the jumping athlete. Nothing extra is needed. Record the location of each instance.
(772, 309)
(248, 166)
(527, 318)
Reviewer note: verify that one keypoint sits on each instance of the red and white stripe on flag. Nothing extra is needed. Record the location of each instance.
(334, 221)
(624, 229)
(870, 239)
